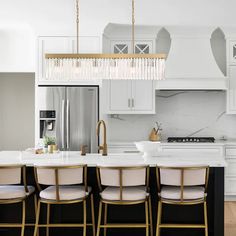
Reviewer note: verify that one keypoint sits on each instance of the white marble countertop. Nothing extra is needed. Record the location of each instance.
(93, 160)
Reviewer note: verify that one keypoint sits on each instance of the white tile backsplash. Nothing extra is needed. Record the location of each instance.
(182, 113)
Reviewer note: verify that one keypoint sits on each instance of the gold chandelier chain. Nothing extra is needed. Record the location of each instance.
(133, 22)
(77, 26)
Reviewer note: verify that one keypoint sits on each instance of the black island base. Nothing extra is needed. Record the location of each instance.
(126, 214)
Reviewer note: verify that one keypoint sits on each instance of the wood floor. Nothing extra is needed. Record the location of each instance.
(230, 218)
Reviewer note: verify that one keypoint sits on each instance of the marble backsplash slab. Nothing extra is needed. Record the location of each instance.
(182, 113)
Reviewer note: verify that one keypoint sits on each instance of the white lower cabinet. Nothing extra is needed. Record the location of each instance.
(230, 186)
(194, 149)
(230, 171)
(129, 97)
(122, 148)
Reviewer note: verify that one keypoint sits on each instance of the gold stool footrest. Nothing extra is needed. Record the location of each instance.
(60, 225)
(201, 226)
(118, 225)
(11, 225)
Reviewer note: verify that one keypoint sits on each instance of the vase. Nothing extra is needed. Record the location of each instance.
(50, 148)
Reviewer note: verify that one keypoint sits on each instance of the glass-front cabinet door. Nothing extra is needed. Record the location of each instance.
(125, 47)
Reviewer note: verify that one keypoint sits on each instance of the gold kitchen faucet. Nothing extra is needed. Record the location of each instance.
(103, 147)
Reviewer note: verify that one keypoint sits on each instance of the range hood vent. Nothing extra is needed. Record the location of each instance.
(191, 63)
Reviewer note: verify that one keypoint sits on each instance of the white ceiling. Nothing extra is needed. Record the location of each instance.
(56, 17)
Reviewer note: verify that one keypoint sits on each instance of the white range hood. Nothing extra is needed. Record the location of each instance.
(191, 64)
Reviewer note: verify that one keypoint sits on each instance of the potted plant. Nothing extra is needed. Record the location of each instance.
(50, 143)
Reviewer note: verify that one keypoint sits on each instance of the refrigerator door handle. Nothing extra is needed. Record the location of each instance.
(63, 124)
(67, 125)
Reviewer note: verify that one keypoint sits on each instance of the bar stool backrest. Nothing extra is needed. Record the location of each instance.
(60, 175)
(66, 175)
(10, 174)
(123, 176)
(182, 176)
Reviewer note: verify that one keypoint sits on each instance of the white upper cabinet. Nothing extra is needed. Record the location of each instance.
(126, 96)
(231, 93)
(129, 97)
(119, 96)
(143, 96)
(231, 70)
(51, 45)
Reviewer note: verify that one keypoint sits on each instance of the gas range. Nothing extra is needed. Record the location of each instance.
(191, 140)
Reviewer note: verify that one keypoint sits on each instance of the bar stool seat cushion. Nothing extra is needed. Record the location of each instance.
(14, 191)
(65, 192)
(129, 193)
(190, 193)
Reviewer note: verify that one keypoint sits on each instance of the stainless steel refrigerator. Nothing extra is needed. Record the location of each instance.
(70, 114)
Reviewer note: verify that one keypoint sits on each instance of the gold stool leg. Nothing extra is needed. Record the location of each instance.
(159, 218)
(85, 217)
(205, 218)
(150, 215)
(37, 219)
(99, 218)
(92, 213)
(105, 219)
(35, 209)
(23, 219)
(147, 216)
(48, 219)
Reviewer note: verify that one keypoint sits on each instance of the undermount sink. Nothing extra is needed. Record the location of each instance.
(148, 148)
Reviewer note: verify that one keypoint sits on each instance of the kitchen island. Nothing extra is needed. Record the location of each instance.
(187, 214)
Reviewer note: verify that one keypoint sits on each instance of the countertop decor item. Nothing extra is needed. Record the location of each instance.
(50, 143)
(148, 148)
(106, 66)
(155, 134)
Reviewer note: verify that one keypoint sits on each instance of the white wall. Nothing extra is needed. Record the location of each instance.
(182, 113)
(16, 111)
(17, 49)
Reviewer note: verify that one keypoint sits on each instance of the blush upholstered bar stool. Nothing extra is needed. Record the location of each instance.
(66, 185)
(123, 186)
(12, 192)
(182, 186)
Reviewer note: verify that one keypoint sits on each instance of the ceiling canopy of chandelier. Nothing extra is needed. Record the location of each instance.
(105, 66)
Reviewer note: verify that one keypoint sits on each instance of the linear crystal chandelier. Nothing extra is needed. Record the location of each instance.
(105, 66)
